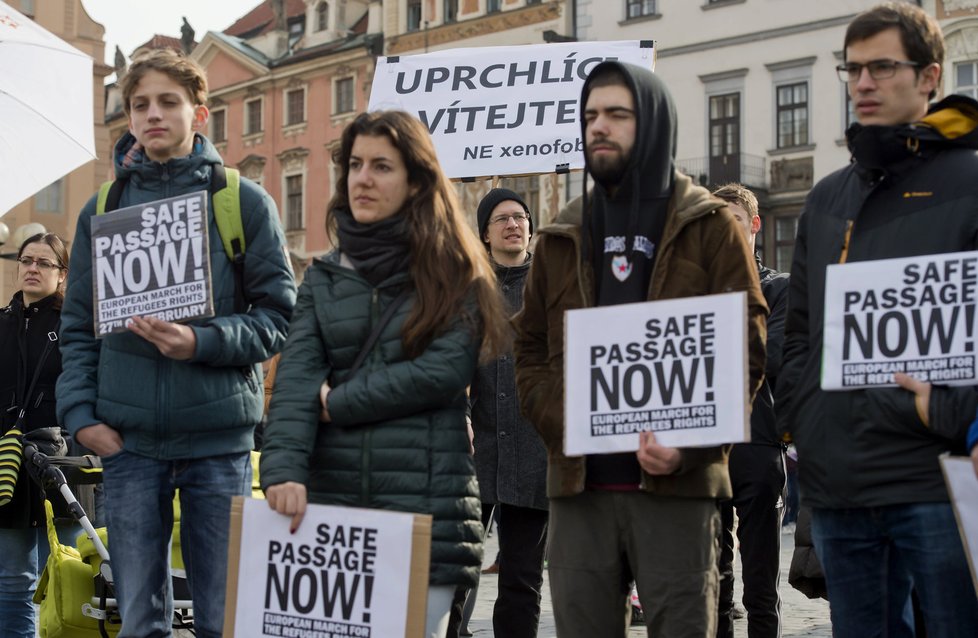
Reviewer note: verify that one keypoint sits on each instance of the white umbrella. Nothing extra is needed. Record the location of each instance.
(46, 120)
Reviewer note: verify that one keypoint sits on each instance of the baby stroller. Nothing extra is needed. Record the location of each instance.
(76, 591)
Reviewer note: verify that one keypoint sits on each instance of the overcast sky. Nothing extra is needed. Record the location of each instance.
(130, 23)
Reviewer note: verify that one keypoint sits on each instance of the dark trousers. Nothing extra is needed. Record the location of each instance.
(757, 473)
(522, 539)
(522, 533)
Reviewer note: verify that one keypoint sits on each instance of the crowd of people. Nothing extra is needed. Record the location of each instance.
(422, 370)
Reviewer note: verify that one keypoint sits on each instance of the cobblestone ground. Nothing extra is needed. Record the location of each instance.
(801, 616)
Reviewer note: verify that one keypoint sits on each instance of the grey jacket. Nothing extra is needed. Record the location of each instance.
(510, 459)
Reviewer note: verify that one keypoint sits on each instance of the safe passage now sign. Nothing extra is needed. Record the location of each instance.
(151, 260)
(914, 315)
(501, 110)
(344, 572)
(676, 367)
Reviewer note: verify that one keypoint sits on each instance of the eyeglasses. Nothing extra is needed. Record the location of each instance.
(878, 69)
(519, 218)
(43, 264)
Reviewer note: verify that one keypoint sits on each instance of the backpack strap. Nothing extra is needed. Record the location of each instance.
(109, 194)
(226, 189)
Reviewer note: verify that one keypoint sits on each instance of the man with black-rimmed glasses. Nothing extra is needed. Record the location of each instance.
(868, 458)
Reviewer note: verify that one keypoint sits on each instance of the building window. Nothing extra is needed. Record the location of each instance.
(219, 131)
(322, 16)
(49, 199)
(785, 228)
(639, 8)
(850, 111)
(413, 15)
(293, 203)
(295, 107)
(792, 108)
(343, 102)
(253, 123)
(450, 10)
(966, 79)
(494, 6)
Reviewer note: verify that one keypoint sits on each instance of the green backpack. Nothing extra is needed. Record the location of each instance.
(226, 190)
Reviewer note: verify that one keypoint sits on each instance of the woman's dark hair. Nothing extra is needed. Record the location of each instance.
(448, 262)
(60, 251)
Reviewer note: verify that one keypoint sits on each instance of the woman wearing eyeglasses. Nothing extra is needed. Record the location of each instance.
(29, 352)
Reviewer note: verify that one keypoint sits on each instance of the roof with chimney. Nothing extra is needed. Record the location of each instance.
(261, 19)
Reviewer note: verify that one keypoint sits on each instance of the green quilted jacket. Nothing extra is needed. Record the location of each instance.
(397, 439)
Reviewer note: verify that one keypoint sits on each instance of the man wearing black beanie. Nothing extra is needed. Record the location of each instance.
(510, 459)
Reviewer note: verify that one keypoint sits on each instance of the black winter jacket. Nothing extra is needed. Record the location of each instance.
(397, 439)
(510, 459)
(911, 190)
(774, 285)
(24, 333)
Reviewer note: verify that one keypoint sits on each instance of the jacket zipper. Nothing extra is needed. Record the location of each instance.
(365, 450)
(845, 242)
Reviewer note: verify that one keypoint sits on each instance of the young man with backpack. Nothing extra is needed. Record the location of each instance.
(168, 405)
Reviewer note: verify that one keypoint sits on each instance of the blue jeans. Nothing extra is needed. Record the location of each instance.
(872, 557)
(18, 577)
(139, 507)
(25, 552)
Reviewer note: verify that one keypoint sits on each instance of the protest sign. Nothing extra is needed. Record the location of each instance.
(959, 473)
(344, 572)
(914, 315)
(501, 110)
(151, 260)
(675, 367)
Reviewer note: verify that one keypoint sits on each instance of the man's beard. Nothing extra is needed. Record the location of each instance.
(607, 170)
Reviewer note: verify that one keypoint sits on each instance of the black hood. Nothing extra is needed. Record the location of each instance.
(648, 179)
(878, 150)
(650, 164)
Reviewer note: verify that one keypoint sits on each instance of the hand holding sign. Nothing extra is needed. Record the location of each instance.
(173, 340)
(288, 499)
(656, 459)
(921, 390)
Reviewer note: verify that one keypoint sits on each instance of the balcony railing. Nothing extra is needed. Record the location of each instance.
(752, 171)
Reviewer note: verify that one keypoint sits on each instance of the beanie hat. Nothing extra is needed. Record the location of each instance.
(492, 199)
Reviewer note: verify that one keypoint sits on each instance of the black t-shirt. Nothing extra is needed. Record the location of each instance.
(623, 277)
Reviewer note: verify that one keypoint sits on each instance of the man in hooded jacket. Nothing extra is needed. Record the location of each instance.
(650, 516)
(868, 458)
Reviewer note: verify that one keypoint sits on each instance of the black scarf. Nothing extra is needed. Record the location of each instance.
(379, 250)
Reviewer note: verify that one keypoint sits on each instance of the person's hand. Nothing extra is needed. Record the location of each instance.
(974, 458)
(656, 459)
(173, 340)
(921, 390)
(100, 438)
(323, 398)
(289, 499)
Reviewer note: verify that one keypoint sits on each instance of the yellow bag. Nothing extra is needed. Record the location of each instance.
(65, 586)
